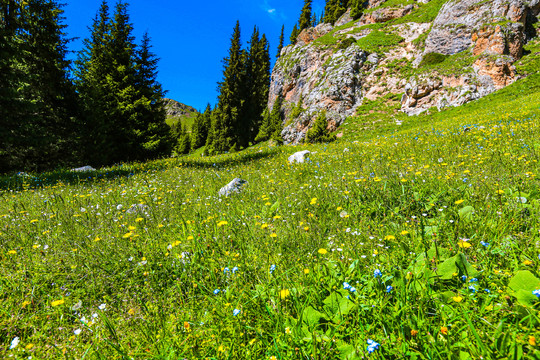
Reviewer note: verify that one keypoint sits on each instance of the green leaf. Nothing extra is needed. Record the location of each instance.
(521, 286)
(312, 317)
(466, 213)
(337, 305)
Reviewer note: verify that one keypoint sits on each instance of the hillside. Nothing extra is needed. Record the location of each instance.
(430, 55)
(409, 237)
(178, 112)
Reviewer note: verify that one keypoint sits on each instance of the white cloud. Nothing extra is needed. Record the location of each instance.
(271, 11)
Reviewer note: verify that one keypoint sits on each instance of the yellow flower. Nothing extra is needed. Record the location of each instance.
(306, 271)
(273, 357)
(288, 330)
(221, 223)
(264, 226)
(139, 219)
(131, 311)
(444, 330)
(29, 346)
(527, 262)
(500, 192)
(313, 201)
(322, 251)
(190, 237)
(131, 228)
(12, 252)
(187, 327)
(25, 303)
(464, 244)
(404, 232)
(57, 302)
(33, 221)
(128, 235)
(283, 294)
(457, 299)
(273, 235)
(532, 341)
(389, 237)
(459, 202)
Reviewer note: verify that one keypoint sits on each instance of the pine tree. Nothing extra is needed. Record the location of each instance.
(281, 42)
(319, 131)
(153, 132)
(257, 83)
(314, 20)
(225, 126)
(272, 125)
(305, 15)
(198, 137)
(91, 68)
(184, 141)
(294, 34)
(37, 100)
(357, 8)
(334, 9)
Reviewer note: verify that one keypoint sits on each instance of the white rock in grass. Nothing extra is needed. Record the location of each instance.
(299, 156)
(83, 169)
(234, 186)
(138, 208)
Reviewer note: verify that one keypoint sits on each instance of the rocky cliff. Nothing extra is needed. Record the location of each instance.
(435, 54)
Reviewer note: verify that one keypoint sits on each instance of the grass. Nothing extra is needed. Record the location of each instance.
(422, 238)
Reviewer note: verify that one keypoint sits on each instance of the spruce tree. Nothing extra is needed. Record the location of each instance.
(294, 34)
(305, 15)
(184, 141)
(230, 100)
(257, 83)
(198, 138)
(357, 8)
(281, 42)
(319, 132)
(153, 135)
(37, 100)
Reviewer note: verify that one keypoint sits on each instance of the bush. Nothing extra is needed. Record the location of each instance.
(346, 43)
(432, 59)
(319, 132)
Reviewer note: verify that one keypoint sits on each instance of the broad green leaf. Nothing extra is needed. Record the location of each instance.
(521, 286)
(466, 213)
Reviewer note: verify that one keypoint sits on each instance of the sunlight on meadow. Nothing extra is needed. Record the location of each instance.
(415, 242)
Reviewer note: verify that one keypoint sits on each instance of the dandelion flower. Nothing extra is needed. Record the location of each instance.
(457, 298)
(459, 202)
(57, 302)
(532, 341)
(322, 251)
(285, 293)
(444, 330)
(389, 237)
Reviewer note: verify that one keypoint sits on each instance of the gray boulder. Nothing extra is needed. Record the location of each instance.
(234, 186)
(299, 157)
(138, 209)
(83, 169)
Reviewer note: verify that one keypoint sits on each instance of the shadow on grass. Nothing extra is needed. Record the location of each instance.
(20, 182)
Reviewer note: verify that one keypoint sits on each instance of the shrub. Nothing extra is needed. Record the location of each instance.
(319, 132)
(432, 59)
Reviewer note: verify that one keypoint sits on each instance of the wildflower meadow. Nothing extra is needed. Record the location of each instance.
(416, 239)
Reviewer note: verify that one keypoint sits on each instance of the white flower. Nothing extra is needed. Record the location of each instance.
(77, 332)
(14, 342)
(119, 207)
(102, 306)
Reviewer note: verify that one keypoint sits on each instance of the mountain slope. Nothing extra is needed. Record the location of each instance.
(432, 56)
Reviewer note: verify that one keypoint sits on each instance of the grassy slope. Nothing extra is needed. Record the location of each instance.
(398, 199)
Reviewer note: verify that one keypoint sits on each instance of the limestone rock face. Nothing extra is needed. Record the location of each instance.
(459, 20)
(310, 34)
(326, 80)
(335, 75)
(386, 14)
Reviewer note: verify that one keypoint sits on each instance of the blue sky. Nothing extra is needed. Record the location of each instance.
(192, 37)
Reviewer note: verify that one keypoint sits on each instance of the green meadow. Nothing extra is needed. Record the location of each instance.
(408, 238)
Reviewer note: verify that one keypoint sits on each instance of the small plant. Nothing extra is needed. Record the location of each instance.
(319, 131)
(432, 59)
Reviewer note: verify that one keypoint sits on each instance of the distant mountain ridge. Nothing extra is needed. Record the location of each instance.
(179, 113)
